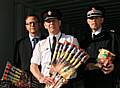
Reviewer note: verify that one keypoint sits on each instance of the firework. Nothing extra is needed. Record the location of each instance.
(66, 59)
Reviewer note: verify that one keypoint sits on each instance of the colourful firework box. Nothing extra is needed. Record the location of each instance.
(105, 57)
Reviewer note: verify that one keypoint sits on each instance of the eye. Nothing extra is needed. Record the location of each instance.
(30, 23)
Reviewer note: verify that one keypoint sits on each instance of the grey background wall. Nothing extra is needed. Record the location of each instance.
(6, 32)
(11, 28)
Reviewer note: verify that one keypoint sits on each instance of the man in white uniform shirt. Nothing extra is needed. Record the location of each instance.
(42, 52)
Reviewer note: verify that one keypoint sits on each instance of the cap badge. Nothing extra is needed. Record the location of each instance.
(93, 10)
(49, 12)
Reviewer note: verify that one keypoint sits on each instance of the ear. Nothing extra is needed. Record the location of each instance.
(87, 20)
(59, 22)
(102, 20)
(26, 27)
(44, 24)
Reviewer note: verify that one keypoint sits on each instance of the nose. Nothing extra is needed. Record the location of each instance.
(51, 22)
(94, 20)
(32, 24)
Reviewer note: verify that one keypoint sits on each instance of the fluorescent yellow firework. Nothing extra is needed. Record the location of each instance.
(16, 76)
(68, 57)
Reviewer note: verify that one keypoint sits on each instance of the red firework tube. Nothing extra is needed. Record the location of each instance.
(6, 71)
(12, 70)
(9, 77)
(4, 77)
(8, 66)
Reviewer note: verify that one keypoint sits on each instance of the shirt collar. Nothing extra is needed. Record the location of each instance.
(97, 32)
(57, 36)
(31, 37)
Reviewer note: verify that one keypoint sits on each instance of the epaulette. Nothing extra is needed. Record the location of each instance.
(113, 31)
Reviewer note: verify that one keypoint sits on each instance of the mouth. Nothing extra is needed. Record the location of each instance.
(32, 27)
(94, 24)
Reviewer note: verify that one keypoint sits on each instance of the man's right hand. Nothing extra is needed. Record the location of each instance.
(47, 80)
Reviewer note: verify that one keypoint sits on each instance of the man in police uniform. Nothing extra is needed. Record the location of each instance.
(43, 50)
(105, 77)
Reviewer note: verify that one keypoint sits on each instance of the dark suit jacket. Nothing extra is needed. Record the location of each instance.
(96, 78)
(23, 53)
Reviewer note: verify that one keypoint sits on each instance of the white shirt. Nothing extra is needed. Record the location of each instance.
(96, 32)
(31, 38)
(58, 36)
(42, 53)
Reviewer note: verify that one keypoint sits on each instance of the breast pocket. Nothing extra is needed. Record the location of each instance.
(46, 56)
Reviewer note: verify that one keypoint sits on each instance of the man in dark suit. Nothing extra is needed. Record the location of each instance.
(100, 75)
(24, 47)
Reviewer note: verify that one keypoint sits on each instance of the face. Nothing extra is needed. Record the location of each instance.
(53, 26)
(32, 25)
(95, 23)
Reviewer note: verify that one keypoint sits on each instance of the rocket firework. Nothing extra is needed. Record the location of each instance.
(18, 77)
(67, 57)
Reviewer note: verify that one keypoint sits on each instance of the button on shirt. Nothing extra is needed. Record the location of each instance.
(42, 52)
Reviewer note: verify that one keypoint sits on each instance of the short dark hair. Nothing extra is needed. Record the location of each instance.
(34, 15)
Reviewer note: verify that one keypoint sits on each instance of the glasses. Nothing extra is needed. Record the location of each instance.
(30, 23)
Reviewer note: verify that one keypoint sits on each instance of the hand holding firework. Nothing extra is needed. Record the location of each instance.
(105, 58)
(66, 59)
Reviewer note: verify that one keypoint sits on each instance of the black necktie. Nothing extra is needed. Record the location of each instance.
(35, 40)
(93, 36)
(53, 45)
